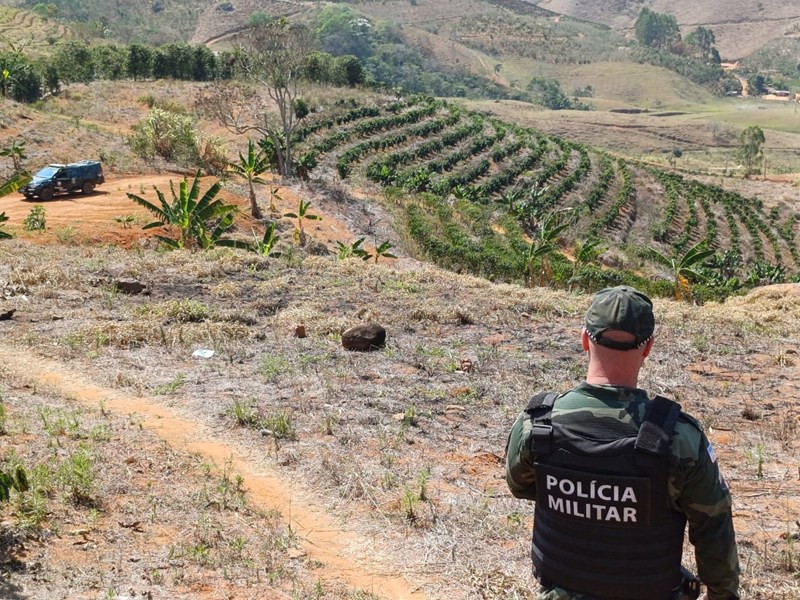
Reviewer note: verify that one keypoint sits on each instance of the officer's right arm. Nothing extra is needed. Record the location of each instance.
(520, 474)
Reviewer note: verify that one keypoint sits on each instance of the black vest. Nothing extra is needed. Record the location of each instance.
(602, 525)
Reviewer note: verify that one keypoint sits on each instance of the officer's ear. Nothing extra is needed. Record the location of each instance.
(647, 347)
(585, 340)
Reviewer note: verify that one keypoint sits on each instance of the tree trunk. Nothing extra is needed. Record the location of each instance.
(255, 211)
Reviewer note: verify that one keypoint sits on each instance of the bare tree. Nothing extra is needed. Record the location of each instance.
(271, 57)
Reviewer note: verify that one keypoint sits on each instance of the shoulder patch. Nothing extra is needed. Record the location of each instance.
(711, 454)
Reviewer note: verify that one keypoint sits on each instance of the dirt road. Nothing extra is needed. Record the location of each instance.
(343, 556)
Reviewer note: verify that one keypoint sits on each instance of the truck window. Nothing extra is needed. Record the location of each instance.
(47, 173)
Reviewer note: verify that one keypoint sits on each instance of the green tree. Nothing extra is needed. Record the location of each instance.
(703, 40)
(140, 61)
(200, 221)
(74, 62)
(383, 250)
(251, 167)
(348, 71)
(341, 31)
(684, 268)
(16, 152)
(319, 67)
(19, 79)
(751, 142)
(586, 252)
(110, 62)
(756, 85)
(656, 30)
(266, 245)
(166, 134)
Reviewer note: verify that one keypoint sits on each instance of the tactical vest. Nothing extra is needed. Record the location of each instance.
(602, 525)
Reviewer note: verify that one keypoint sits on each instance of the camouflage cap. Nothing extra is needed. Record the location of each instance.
(620, 308)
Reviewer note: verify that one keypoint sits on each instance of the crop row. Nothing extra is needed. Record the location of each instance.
(361, 112)
(786, 231)
(450, 246)
(565, 185)
(379, 144)
(626, 194)
(372, 126)
(506, 177)
(478, 145)
(600, 189)
(662, 228)
(423, 150)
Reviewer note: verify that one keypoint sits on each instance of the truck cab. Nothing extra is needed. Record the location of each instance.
(57, 178)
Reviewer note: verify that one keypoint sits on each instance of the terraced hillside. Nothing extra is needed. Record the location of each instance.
(157, 22)
(481, 189)
(25, 30)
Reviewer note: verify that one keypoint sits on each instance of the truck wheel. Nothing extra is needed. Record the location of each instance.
(88, 187)
(46, 193)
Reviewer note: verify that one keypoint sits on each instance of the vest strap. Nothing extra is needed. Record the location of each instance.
(545, 400)
(659, 423)
(539, 408)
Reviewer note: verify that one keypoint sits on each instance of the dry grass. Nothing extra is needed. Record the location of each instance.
(405, 445)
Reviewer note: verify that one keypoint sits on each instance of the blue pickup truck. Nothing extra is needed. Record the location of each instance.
(75, 177)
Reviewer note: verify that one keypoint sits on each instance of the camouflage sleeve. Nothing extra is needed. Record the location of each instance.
(520, 475)
(702, 494)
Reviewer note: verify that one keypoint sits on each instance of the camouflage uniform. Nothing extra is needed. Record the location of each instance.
(695, 486)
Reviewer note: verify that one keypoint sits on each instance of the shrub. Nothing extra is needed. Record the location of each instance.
(35, 221)
(166, 134)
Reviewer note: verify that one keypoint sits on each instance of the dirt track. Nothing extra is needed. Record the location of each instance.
(341, 554)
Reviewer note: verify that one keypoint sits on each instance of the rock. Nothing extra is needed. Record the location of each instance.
(364, 338)
(129, 286)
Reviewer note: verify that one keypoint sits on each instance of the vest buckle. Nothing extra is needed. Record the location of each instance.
(542, 436)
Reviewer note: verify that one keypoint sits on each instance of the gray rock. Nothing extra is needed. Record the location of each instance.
(129, 286)
(364, 338)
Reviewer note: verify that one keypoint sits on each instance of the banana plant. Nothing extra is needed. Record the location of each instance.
(542, 246)
(301, 215)
(13, 183)
(16, 480)
(251, 167)
(200, 221)
(383, 250)
(265, 246)
(16, 152)
(684, 268)
(355, 249)
(4, 235)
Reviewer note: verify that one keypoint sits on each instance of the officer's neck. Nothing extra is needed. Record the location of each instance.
(615, 379)
(616, 369)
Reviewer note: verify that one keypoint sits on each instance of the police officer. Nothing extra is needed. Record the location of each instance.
(616, 476)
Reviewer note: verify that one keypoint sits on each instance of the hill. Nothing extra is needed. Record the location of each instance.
(740, 27)
(194, 441)
(286, 466)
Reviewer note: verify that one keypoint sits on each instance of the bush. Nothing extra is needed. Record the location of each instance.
(35, 221)
(166, 134)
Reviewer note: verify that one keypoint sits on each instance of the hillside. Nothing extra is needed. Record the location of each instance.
(285, 467)
(740, 28)
(195, 442)
(156, 22)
